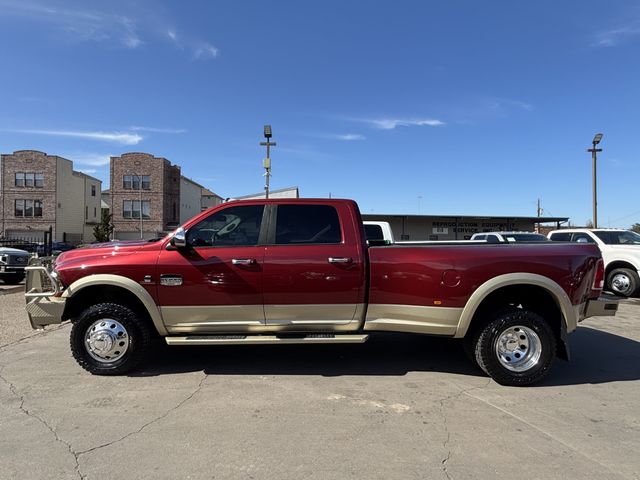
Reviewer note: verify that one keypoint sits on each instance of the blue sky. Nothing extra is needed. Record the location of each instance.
(465, 107)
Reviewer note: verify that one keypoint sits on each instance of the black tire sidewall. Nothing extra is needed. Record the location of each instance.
(634, 281)
(13, 279)
(486, 355)
(137, 330)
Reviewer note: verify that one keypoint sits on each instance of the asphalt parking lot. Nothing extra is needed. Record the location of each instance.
(398, 406)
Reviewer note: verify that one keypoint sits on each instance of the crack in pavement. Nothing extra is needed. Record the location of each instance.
(77, 455)
(545, 433)
(39, 333)
(445, 444)
(151, 422)
(27, 412)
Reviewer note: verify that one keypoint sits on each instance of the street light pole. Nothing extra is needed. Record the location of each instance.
(594, 151)
(267, 161)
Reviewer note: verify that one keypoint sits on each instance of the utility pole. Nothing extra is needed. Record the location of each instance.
(594, 151)
(267, 161)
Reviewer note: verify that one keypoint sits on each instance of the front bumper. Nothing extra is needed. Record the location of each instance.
(603, 306)
(12, 269)
(44, 306)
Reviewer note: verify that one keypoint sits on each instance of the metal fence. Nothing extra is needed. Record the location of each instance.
(41, 243)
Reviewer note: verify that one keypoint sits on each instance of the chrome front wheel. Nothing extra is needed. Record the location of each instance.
(109, 339)
(106, 340)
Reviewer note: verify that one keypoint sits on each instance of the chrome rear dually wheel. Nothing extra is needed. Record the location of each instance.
(515, 347)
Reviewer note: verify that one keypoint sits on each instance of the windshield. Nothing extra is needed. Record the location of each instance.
(621, 237)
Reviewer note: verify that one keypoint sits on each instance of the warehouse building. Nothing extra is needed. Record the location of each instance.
(457, 227)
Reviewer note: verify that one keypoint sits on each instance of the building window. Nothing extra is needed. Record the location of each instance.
(126, 182)
(135, 182)
(28, 208)
(95, 212)
(93, 190)
(29, 179)
(19, 179)
(131, 209)
(146, 182)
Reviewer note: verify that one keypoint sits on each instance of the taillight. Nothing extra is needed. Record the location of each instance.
(598, 279)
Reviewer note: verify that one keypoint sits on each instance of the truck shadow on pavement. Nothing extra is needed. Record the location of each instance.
(597, 357)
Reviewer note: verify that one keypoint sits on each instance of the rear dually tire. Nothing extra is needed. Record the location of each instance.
(516, 347)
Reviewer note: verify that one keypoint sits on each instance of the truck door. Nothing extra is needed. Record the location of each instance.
(215, 284)
(313, 276)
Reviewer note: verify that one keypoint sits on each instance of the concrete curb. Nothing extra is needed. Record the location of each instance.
(17, 288)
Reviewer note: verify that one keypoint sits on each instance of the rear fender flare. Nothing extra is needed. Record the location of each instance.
(123, 282)
(569, 312)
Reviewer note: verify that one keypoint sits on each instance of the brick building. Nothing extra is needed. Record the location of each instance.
(142, 184)
(39, 191)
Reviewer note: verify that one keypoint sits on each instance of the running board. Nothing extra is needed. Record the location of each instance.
(264, 339)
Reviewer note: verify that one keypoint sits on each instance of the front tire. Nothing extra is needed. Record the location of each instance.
(623, 281)
(516, 348)
(109, 339)
(13, 279)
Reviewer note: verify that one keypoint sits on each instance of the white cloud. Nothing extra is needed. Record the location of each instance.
(132, 42)
(616, 36)
(86, 25)
(137, 128)
(91, 159)
(503, 104)
(345, 137)
(349, 137)
(128, 30)
(205, 51)
(115, 137)
(392, 123)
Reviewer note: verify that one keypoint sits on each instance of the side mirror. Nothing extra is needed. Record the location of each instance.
(179, 239)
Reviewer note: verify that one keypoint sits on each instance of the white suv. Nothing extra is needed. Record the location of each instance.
(509, 237)
(620, 251)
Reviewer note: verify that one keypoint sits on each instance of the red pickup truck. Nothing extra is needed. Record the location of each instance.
(301, 271)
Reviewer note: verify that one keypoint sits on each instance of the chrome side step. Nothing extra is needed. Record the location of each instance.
(264, 339)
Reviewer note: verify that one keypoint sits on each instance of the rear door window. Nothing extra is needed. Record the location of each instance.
(561, 237)
(374, 232)
(581, 237)
(307, 225)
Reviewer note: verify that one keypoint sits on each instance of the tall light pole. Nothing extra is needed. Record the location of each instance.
(594, 151)
(267, 161)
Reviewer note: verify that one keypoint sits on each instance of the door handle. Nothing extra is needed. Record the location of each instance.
(243, 261)
(339, 260)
